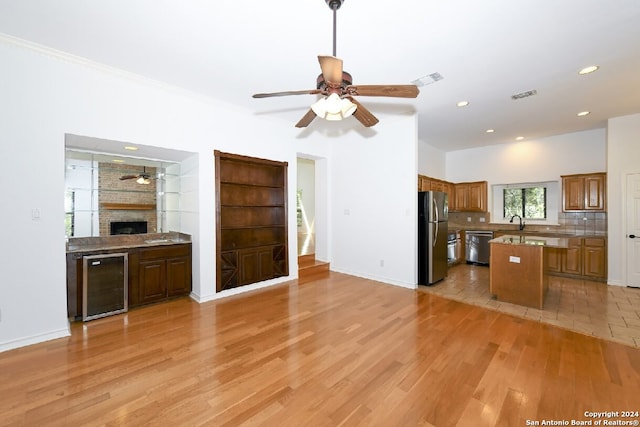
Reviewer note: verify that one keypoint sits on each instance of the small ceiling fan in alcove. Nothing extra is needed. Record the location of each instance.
(141, 178)
(335, 85)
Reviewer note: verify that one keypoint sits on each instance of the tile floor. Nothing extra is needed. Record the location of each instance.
(592, 308)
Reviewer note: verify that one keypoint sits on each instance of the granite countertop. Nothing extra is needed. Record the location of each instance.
(533, 233)
(551, 242)
(88, 244)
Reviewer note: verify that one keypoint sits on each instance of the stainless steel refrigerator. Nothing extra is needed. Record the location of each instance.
(433, 211)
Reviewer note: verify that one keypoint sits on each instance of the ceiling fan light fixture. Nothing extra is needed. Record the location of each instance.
(143, 180)
(333, 107)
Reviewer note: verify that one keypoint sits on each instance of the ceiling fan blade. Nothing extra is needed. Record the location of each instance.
(397, 91)
(307, 119)
(287, 93)
(363, 115)
(331, 68)
(123, 177)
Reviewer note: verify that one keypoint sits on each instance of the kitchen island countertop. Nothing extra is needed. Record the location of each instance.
(546, 241)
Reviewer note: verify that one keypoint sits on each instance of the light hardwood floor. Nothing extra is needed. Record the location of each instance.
(337, 351)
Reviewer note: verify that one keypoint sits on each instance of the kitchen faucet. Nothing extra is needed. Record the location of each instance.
(522, 224)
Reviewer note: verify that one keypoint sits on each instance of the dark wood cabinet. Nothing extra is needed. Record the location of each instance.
(155, 273)
(251, 220)
(152, 281)
(584, 192)
(164, 272)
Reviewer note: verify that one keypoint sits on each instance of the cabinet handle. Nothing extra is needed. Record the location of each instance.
(632, 236)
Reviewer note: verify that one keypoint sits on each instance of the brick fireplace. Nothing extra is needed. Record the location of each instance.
(126, 200)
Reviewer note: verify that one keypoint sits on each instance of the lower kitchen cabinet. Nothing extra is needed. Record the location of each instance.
(595, 258)
(572, 258)
(585, 257)
(554, 259)
(164, 272)
(155, 274)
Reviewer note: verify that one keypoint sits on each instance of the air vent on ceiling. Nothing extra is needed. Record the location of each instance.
(524, 94)
(428, 79)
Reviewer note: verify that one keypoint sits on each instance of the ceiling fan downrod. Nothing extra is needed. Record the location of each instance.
(334, 5)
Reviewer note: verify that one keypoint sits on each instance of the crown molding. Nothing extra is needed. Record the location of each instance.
(63, 56)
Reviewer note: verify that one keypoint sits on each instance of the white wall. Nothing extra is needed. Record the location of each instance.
(623, 157)
(431, 161)
(47, 94)
(530, 161)
(374, 207)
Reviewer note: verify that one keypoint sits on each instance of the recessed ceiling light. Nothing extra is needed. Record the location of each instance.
(520, 138)
(131, 148)
(583, 113)
(462, 103)
(490, 131)
(589, 69)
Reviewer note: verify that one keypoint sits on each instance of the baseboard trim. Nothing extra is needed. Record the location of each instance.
(34, 339)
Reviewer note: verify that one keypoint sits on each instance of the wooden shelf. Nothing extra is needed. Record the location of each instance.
(128, 206)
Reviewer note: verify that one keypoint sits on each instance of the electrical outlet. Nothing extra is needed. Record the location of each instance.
(481, 219)
(468, 219)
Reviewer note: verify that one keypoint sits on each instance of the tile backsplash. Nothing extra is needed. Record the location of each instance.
(579, 223)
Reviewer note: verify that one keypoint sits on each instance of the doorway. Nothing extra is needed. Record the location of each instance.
(305, 206)
(632, 231)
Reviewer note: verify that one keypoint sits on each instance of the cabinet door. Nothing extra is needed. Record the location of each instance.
(477, 198)
(152, 282)
(573, 193)
(178, 276)
(554, 259)
(255, 265)
(424, 183)
(461, 194)
(572, 257)
(595, 258)
(437, 185)
(594, 188)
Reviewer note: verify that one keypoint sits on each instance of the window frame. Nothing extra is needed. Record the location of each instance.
(523, 189)
(553, 202)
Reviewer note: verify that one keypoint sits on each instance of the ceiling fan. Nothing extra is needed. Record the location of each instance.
(335, 85)
(142, 178)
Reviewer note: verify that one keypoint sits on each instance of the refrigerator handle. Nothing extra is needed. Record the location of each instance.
(435, 209)
(435, 233)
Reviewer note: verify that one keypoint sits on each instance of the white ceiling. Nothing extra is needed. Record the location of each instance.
(486, 51)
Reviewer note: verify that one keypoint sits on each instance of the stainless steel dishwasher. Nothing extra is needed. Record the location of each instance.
(477, 246)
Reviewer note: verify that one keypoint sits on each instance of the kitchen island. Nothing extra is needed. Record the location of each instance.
(517, 271)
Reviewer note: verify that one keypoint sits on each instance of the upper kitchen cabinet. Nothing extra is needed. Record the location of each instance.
(424, 183)
(470, 197)
(584, 192)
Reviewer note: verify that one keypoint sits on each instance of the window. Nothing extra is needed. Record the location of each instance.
(527, 202)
